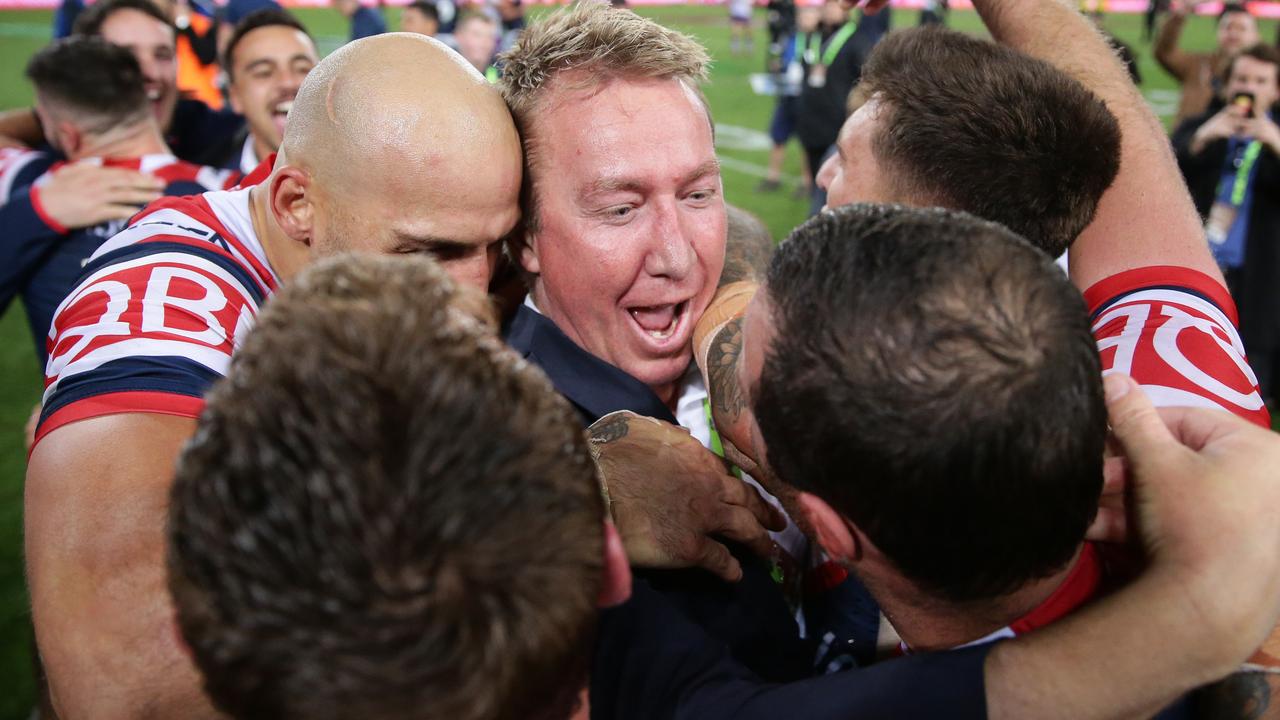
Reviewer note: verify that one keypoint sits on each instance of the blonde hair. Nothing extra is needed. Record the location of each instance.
(598, 43)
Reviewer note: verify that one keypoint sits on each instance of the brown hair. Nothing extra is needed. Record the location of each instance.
(1261, 52)
(980, 127)
(600, 43)
(385, 512)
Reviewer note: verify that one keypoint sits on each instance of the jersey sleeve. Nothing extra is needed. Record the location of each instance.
(148, 328)
(1173, 330)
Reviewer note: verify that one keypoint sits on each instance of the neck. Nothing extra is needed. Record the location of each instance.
(927, 624)
(285, 256)
(261, 150)
(141, 139)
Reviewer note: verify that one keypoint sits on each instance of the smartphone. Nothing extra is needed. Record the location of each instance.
(1245, 101)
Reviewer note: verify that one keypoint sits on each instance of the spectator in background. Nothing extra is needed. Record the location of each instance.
(780, 19)
(783, 124)
(268, 57)
(453, 606)
(420, 17)
(197, 52)
(511, 13)
(1155, 8)
(741, 37)
(1231, 161)
(365, 21)
(934, 12)
(476, 37)
(832, 61)
(230, 15)
(64, 18)
(1201, 73)
(94, 110)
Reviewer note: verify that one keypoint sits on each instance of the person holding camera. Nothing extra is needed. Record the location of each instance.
(1230, 158)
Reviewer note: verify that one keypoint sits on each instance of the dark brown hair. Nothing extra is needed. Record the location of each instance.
(933, 378)
(385, 513)
(975, 126)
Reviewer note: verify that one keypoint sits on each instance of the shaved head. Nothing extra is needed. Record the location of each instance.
(401, 146)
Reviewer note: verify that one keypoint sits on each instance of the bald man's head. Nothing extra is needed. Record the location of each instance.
(395, 144)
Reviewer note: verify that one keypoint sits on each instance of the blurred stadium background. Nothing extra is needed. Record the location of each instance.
(742, 119)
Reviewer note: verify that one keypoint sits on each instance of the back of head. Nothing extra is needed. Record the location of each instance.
(89, 82)
(979, 127)
(933, 376)
(385, 513)
(90, 20)
(582, 46)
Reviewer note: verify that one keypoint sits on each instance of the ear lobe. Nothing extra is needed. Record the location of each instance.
(615, 585)
(291, 203)
(529, 253)
(832, 529)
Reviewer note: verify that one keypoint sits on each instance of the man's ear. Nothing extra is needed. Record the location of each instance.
(832, 529)
(527, 252)
(293, 203)
(615, 587)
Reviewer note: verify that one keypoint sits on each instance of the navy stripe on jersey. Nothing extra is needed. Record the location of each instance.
(147, 248)
(168, 374)
(1102, 308)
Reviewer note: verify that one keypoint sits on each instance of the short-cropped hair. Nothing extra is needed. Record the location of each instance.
(976, 126)
(266, 17)
(98, 85)
(933, 377)
(598, 43)
(90, 20)
(1261, 52)
(385, 512)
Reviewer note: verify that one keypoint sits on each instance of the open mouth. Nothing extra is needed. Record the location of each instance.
(659, 322)
(153, 94)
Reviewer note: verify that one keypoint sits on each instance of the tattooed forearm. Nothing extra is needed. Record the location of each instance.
(610, 428)
(1242, 696)
(722, 370)
(748, 249)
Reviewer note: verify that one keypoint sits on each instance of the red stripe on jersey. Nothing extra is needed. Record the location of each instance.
(1173, 330)
(1081, 586)
(45, 217)
(199, 210)
(160, 403)
(259, 173)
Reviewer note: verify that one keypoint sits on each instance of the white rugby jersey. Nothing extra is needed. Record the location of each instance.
(158, 312)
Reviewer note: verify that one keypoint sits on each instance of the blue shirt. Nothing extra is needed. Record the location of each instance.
(366, 22)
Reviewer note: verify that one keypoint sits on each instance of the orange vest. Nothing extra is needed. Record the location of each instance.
(194, 78)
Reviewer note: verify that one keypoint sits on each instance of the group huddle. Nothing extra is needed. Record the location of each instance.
(599, 449)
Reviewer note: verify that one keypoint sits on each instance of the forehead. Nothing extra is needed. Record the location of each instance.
(130, 27)
(1237, 20)
(273, 41)
(625, 127)
(1245, 65)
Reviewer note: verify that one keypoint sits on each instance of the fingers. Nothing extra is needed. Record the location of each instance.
(1198, 428)
(1135, 423)
(736, 524)
(137, 197)
(718, 560)
(741, 494)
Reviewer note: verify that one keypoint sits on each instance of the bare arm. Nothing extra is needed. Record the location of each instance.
(97, 494)
(1146, 217)
(1204, 489)
(21, 126)
(1172, 58)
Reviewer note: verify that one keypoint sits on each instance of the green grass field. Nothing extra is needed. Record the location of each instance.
(732, 102)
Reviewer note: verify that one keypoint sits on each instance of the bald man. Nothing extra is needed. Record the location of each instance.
(163, 305)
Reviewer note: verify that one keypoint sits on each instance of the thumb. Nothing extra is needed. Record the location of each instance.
(1135, 423)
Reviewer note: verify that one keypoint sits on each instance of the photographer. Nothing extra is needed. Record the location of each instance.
(1231, 161)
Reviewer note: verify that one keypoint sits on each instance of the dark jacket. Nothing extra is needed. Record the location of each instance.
(820, 111)
(1256, 285)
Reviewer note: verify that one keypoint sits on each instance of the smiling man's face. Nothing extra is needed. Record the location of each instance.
(630, 231)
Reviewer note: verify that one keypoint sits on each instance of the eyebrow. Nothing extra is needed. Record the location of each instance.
(431, 242)
(271, 61)
(607, 185)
